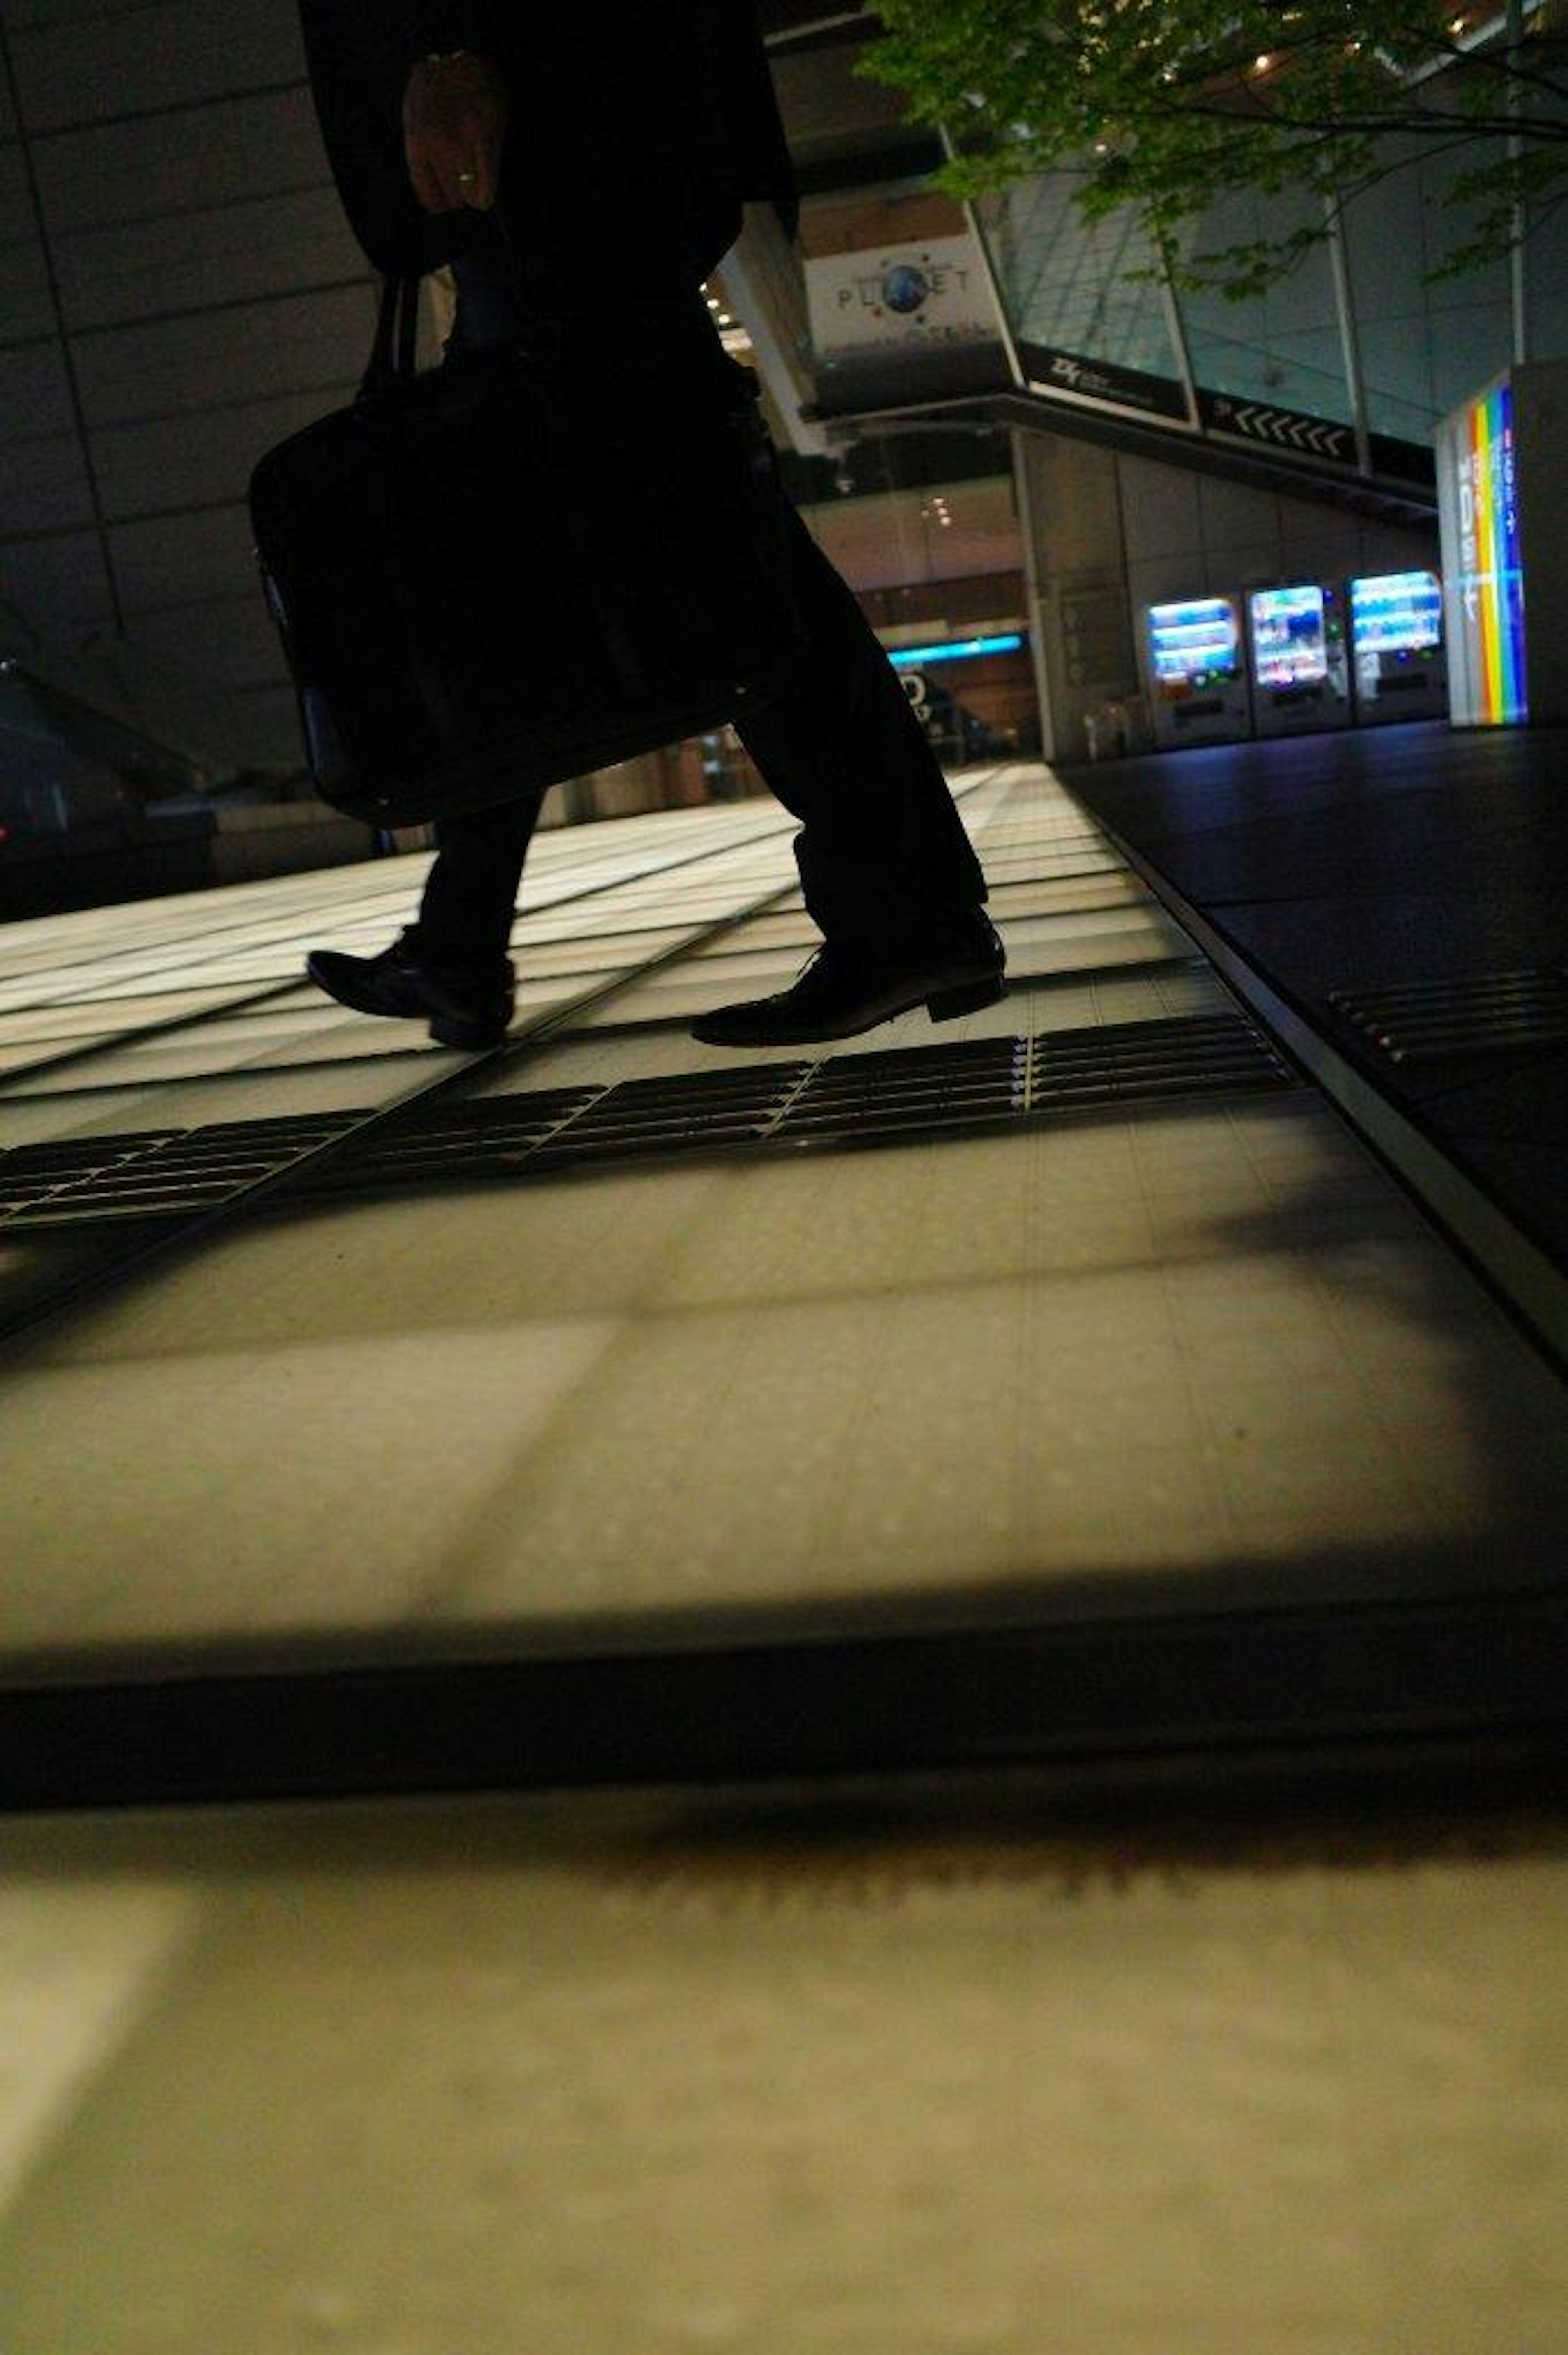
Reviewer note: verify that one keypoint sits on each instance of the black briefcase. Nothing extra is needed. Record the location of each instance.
(482, 592)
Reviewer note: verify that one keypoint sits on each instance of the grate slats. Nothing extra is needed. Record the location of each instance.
(161, 1173)
(1502, 1013)
(836, 1101)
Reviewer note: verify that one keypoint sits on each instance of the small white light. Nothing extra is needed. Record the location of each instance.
(1261, 65)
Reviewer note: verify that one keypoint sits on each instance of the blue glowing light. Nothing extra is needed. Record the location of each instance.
(957, 650)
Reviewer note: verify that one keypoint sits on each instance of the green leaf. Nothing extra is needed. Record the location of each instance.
(1165, 111)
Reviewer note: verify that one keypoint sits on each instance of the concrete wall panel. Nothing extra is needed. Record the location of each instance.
(35, 394)
(1243, 564)
(225, 358)
(1159, 509)
(172, 463)
(1235, 514)
(77, 68)
(57, 583)
(239, 641)
(274, 714)
(179, 560)
(264, 245)
(26, 306)
(213, 303)
(167, 166)
(44, 486)
(1397, 548)
(1078, 504)
(18, 222)
(1315, 540)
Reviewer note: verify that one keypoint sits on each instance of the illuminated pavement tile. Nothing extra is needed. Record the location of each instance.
(829, 2074)
(1164, 1350)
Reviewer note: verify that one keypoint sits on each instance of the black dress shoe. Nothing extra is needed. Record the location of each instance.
(463, 1008)
(851, 987)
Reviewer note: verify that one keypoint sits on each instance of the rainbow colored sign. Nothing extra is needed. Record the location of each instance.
(1491, 584)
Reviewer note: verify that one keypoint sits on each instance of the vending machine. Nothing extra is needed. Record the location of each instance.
(1396, 647)
(1197, 672)
(1300, 676)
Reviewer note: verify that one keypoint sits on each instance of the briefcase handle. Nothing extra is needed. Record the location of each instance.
(397, 334)
(393, 348)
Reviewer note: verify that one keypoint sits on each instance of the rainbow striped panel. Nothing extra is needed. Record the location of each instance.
(1499, 577)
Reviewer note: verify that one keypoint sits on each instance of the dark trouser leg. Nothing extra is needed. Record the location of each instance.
(471, 893)
(884, 851)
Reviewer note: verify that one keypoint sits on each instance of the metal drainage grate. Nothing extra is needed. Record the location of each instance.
(160, 1173)
(434, 1143)
(1200, 1054)
(853, 1099)
(1482, 1014)
(840, 1100)
(508, 1136)
(30, 1174)
(698, 1112)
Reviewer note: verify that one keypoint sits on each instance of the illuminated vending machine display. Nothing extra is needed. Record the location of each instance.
(1298, 671)
(1396, 647)
(1197, 676)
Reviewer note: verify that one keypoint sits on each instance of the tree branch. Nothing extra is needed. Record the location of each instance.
(1487, 59)
(1369, 126)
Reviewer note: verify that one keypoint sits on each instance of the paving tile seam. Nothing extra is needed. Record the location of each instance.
(92, 1280)
(12, 1081)
(199, 1017)
(1519, 1267)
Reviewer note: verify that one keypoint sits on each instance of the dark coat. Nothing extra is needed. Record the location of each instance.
(628, 122)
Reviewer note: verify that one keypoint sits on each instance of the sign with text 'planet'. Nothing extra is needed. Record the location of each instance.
(902, 320)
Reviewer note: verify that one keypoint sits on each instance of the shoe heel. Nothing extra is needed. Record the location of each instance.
(946, 1005)
(467, 1035)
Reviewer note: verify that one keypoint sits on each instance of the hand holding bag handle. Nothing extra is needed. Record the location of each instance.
(396, 324)
(395, 343)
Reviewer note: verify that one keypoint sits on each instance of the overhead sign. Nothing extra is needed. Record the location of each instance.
(897, 321)
(1281, 429)
(1100, 384)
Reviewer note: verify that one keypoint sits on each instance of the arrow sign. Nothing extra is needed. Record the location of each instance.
(1286, 429)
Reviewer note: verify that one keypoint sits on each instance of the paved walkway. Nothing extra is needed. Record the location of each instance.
(1407, 889)
(616, 1340)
